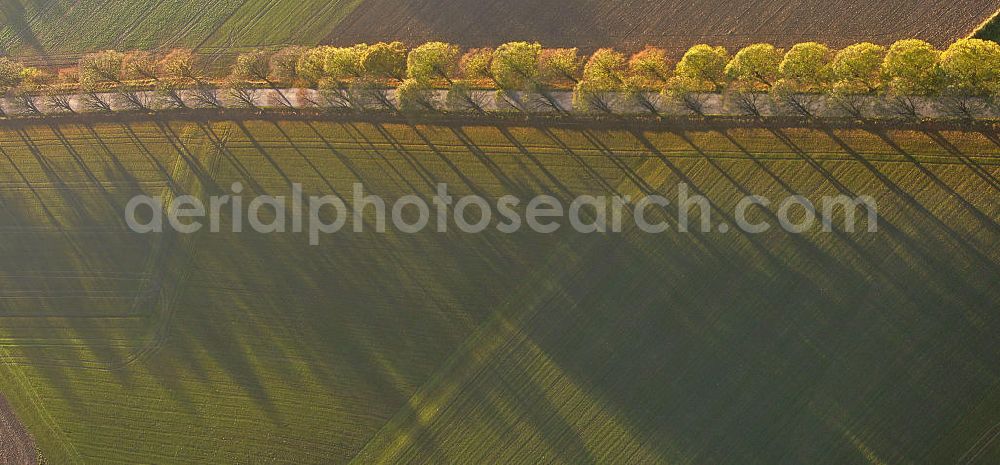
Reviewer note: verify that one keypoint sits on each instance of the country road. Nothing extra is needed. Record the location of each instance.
(552, 102)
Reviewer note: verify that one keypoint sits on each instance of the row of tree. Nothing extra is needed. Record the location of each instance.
(759, 74)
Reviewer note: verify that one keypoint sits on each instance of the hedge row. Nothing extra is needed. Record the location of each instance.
(967, 69)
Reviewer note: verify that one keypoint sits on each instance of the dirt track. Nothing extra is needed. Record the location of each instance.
(16, 445)
(674, 24)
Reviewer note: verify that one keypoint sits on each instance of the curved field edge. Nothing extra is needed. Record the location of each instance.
(16, 445)
(30, 411)
(990, 29)
(457, 348)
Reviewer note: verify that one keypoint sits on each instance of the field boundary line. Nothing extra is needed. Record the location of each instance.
(985, 24)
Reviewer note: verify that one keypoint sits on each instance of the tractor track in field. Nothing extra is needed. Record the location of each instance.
(157, 291)
(981, 446)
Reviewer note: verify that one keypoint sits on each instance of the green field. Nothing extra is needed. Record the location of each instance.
(61, 29)
(697, 348)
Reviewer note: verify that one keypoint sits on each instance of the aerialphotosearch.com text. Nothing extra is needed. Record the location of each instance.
(655, 214)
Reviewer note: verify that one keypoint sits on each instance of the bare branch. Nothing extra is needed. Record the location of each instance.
(60, 102)
(133, 99)
(905, 107)
(206, 96)
(462, 99)
(26, 103)
(749, 103)
(97, 102)
(245, 96)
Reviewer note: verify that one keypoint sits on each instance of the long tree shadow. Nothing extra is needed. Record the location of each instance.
(790, 324)
(912, 202)
(508, 182)
(973, 166)
(13, 14)
(582, 161)
(676, 343)
(551, 179)
(986, 220)
(873, 265)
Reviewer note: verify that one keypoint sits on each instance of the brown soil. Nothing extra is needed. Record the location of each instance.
(673, 24)
(16, 445)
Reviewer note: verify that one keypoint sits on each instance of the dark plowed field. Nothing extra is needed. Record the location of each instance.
(51, 32)
(675, 24)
